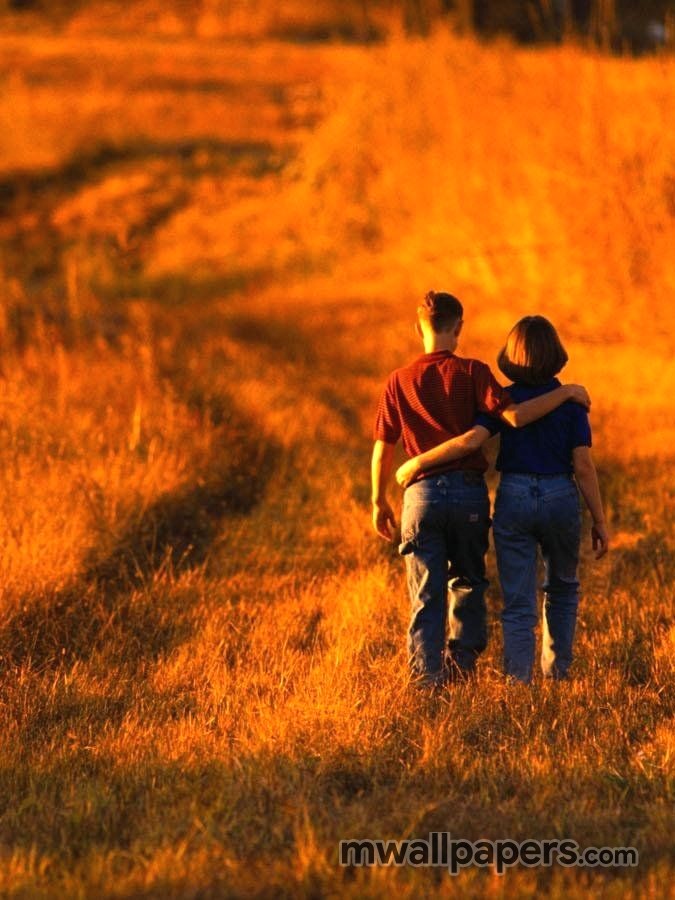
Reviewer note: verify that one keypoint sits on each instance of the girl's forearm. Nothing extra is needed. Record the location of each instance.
(449, 450)
(445, 452)
(587, 479)
(454, 448)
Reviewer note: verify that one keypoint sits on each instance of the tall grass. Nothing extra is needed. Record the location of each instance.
(201, 642)
(525, 175)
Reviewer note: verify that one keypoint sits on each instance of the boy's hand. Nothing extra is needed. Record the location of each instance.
(579, 394)
(600, 538)
(406, 473)
(384, 521)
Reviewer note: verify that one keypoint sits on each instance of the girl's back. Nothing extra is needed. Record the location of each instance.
(543, 447)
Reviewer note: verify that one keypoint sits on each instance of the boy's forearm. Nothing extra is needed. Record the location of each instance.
(380, 470)
(520, 414)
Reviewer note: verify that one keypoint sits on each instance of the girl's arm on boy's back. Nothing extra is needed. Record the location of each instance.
(587, 479)
(455, 448)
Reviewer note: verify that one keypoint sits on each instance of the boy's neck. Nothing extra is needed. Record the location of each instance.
(434, 342)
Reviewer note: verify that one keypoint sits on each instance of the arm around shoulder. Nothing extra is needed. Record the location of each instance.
(520, 414)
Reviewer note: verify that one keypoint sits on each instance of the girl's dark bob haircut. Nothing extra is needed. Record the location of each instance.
(533, 352)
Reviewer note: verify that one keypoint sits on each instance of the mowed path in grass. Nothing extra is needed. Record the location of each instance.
(202, 643)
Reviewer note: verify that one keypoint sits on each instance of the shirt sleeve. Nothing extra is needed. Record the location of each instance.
(581, 427)
(490, 396)
(387, 421)
(493, 425)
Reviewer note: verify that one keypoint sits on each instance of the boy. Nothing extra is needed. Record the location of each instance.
(446, 512)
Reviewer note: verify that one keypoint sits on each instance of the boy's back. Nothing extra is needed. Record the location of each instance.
(434, 398)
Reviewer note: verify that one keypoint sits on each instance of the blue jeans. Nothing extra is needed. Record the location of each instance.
(534, 511)
(444, 538)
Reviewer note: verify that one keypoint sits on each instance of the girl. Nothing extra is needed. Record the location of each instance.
(537, 502)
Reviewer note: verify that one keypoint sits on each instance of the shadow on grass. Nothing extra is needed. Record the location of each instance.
(87, 164)
(36, 250)
(112, 605)
(180, 290)
(82, 804)
(82, 801)
(343, 31)
(283, 337)
(639, 507)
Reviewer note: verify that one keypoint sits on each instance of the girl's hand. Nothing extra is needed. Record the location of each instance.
(408, 472)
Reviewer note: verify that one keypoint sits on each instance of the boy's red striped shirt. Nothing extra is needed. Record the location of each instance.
(436, 398)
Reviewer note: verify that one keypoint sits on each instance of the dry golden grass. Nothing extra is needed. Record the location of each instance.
(211, 254)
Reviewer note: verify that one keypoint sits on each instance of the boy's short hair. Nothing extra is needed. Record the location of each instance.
(533, 352)
(442, 311)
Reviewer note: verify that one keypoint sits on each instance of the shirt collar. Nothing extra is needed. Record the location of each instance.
(553, 383)
(435, 355)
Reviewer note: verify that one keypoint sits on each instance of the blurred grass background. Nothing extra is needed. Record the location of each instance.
(214, 227)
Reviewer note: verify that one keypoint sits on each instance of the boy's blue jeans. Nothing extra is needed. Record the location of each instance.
(534, 511)
(444, 537)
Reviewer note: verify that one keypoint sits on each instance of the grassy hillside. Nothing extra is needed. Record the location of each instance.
(211, 254)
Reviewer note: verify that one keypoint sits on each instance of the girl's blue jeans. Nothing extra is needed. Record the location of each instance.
(531, 512)
(444, 537)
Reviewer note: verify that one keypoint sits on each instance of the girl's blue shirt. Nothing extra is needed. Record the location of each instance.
(543, 447)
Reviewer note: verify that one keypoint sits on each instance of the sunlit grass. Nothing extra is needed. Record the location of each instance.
(201, 641)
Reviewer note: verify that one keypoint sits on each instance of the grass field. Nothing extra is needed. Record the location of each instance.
(211, 254)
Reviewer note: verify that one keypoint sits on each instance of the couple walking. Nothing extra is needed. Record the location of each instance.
(443, 408)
